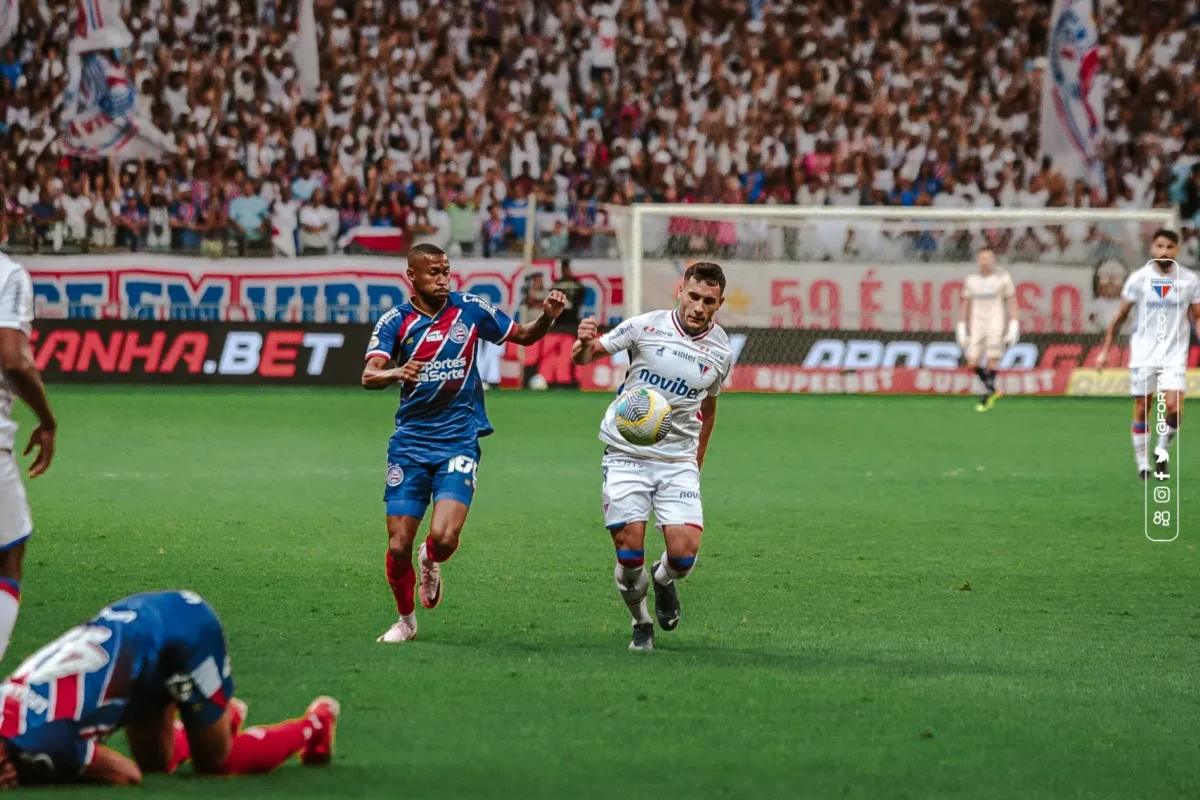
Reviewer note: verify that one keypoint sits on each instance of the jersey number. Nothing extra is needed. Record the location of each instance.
(78, 651)
(464, 464)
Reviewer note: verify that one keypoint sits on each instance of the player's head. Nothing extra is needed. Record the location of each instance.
(8, 770)
(701, 296)
(429, 272)
(986, 259)
(1164, 247)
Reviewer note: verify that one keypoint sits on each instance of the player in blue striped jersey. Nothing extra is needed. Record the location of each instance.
(428, 346)
(156, 666)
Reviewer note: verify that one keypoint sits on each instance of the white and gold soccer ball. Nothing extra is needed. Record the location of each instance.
(643, 417)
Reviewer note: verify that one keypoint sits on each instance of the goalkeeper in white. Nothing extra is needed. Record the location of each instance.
(986, 297)
(686, 357)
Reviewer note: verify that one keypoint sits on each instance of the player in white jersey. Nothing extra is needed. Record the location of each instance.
(1162, 292)
(685, 356)
(986, 298)
(19, 375)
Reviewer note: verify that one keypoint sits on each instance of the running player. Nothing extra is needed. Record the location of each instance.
(1163, 292)
(18, 375)
(686, 356)
(434, 451)
(137, 665)
(986, 297)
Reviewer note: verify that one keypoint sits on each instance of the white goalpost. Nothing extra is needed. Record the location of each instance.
(792, 265)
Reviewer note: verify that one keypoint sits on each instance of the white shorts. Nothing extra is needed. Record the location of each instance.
(15, 523)
(634, 486)
(1148, 380)
(986, 346)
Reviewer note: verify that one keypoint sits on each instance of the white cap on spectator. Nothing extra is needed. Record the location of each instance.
(421, 201)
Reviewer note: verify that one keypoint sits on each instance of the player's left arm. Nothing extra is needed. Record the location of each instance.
(708, 418)
(530, 332)
(1010, 304)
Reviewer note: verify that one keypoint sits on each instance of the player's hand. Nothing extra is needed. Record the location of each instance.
(1101, 358)
(587, 330)
(554, 304)
(43, 439)
(410, 371)
(1012, 334)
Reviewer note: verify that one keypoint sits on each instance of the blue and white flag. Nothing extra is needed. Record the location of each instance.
(100, 118)
(1072, 128)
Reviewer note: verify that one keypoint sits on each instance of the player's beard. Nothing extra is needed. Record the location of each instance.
(1164, 264)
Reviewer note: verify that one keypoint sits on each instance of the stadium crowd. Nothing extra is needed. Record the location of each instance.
(447, 119)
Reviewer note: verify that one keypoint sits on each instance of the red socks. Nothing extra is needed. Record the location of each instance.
(436, 552)
(258, 750)
(403, 580)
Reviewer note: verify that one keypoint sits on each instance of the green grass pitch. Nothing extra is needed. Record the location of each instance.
(896, 598)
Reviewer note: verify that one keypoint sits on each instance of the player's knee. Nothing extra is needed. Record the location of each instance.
(445, 534)
(401, 554)
(680, 566)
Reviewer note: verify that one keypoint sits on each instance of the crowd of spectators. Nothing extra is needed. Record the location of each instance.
(447, 119)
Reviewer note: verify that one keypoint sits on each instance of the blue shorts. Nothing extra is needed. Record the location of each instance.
(413, 482)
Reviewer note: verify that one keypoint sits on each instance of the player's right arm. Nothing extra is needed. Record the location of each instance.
(960, 331)
(589, 347)
(377, 375)
(1129, 296)
(16, 361)
(381, 351)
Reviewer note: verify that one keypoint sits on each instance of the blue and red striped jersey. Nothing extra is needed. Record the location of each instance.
(134, 657)
(442, 409)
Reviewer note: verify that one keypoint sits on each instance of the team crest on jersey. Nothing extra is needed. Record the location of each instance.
(395, 475)
(458, 333)
(1161, 287)
(704, 368)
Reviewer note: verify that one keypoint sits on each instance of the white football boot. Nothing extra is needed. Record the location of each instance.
(431, 579)
(404, 630)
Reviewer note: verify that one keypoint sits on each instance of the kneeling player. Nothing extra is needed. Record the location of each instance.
(137, 665)
(686, 356)
(985, 299)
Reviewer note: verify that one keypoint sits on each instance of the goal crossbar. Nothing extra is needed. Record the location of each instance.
(1166, 217)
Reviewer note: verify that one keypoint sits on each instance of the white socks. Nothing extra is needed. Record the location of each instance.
(10, 604)
(1139, 450)
(633, 584)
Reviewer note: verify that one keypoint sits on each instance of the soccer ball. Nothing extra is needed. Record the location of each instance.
(539, 383)
(643, 417)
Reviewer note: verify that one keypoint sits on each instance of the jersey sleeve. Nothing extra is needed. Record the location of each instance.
(493, 324)
(383, 338)
(622, 337)
(1008, 288)
(16, 301)
(1132, 290)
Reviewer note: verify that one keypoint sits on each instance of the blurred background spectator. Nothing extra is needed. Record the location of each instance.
(449, 120)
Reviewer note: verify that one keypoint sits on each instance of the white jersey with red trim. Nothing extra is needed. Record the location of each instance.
(16, 312)
(1161, 334)
(682, 368)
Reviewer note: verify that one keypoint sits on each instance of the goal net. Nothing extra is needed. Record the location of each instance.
(896, 272)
